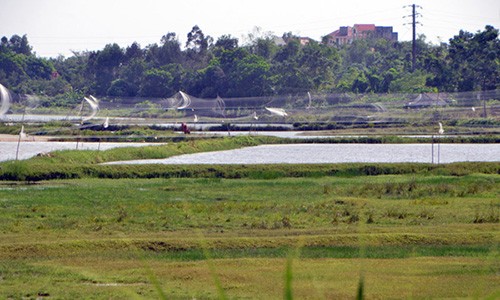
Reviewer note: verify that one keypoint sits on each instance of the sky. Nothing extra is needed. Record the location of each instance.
(59, 27)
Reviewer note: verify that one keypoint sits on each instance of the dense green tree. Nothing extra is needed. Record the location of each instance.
(437, 62)
(133, 73)
(197, 45)
(212, 81)
(75, 71)
(170, 50)
(320, 64)
(4, 42)
(20, 44)
(250, 78)
(347, 79)
(104, 65)
(476, 59)
(264, 65)
(179, 75)
(227, 42)
(43, 87)
(121, 88)
(157, 83)
(133, 51)
(264, 47)
(358, 52)
(228, 59)
(411, 83)
(220, 74)
(12, 67)
(110, 57)
(286, 68)
(39, 68)
(196, 40)
(388, 77)
(289, 52)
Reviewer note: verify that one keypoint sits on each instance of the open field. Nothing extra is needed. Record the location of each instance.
(418, 235)
(72, 228)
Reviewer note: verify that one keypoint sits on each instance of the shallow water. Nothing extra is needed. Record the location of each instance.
(337, 153)
(29, 149)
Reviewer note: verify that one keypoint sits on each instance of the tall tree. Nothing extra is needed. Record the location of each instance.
(476, 59)
(106, 66)
(20, 45)
(133, 51)
(170, 51)
(264, 47)
(320, 63)
(197, 45)
(227, 42)
(132, 73)
(251, 78)
(75, 70)
(197, 41)
(157, 83)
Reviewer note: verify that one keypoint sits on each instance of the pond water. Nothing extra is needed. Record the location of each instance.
(29, 149)
(337, 153)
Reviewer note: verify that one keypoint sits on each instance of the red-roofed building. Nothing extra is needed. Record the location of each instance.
(347, 34)
(363, 31)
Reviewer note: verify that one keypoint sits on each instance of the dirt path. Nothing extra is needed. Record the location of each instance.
(15, 138)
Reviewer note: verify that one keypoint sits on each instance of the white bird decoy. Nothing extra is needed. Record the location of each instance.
(277, 111)
(4, 100)
(22, 134)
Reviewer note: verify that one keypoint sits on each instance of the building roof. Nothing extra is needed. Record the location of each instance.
(335, 33)
(347, 34)
(364, 27)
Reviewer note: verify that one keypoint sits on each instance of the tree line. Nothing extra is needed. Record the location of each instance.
(208, 68)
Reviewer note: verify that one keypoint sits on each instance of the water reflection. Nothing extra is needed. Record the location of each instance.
(30, 149)
(336, 153)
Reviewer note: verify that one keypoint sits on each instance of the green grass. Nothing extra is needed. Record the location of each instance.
(71, 228)
(73, 164)
(315, 252)
(287, 203)
(103, 278)
(436, 235)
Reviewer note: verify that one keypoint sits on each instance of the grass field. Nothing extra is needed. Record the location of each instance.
(413, 235)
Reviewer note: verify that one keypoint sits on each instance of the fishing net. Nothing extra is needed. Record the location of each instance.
(305, 107)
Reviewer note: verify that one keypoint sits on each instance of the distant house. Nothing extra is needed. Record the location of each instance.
(347, 34)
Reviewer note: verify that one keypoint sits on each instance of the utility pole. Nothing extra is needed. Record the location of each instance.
(414, 39)
(414, 23)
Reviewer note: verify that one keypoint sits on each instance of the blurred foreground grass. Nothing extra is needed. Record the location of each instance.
(415, 235)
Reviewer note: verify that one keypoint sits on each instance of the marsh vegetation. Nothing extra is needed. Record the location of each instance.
(246, 231)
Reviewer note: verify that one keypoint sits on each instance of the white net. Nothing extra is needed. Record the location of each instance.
(307, 107)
